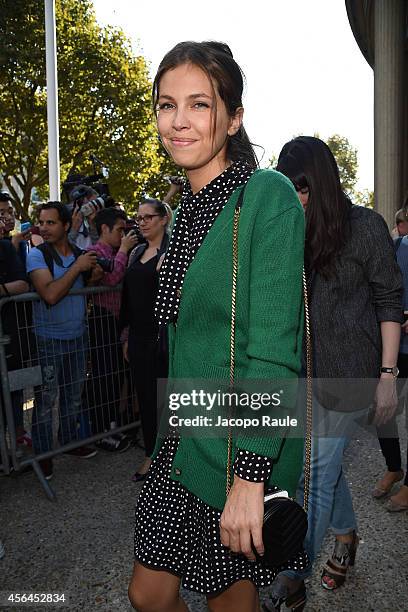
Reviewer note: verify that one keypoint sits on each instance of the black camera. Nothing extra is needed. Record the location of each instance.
(133, 226)
(79, 187)
(106, 264)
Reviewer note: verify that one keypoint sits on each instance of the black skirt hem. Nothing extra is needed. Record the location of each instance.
(188, 588)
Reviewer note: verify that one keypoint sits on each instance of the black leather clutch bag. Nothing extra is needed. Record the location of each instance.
(284, 529)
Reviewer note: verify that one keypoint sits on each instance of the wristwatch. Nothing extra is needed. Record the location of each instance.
(394, 371)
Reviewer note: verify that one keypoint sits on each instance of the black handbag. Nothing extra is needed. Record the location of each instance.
(285, 521)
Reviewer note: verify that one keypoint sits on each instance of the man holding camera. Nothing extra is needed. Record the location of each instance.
(55, 267)
(104, 386)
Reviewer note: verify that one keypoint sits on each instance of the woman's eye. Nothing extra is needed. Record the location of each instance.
(165, 106)
(201, 105)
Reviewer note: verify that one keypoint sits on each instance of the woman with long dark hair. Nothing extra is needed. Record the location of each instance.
(355, 308)
(188, 531)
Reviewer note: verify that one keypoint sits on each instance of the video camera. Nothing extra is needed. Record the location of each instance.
(76, 189)
(91, 206)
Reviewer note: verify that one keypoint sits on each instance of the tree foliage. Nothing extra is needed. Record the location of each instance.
(104, 103)
(346, 157)
(364, 198)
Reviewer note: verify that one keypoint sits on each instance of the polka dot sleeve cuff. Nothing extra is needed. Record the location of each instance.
(253, 467)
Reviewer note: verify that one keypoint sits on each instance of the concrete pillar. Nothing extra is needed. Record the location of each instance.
(389, 28)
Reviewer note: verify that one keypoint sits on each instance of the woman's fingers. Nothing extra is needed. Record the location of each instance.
(246, 544)
(243, 541)
(225, 540)
(257, 540)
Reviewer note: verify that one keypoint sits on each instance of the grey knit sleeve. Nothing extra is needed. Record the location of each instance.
(381, 269)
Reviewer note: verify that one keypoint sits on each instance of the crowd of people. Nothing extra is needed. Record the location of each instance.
(214, 294)
(79, 341)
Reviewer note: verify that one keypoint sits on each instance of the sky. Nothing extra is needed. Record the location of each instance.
(304, 71)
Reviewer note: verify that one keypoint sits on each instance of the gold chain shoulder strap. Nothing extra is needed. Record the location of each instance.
(309, 370)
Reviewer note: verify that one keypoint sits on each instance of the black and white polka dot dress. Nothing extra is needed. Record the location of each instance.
(176, 531)
(179, 533)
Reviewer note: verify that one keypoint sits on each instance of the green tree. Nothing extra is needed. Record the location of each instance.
(364, 198)
(272, 161)
(346, 157)
(104, 103)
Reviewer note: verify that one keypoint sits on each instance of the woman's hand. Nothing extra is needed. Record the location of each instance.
(386, 399)
(76, 219)
(242, 519)
(125, 347)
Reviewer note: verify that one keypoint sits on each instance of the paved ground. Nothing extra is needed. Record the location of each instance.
(81, 545)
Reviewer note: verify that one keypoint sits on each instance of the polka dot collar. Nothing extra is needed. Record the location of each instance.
(196, 215)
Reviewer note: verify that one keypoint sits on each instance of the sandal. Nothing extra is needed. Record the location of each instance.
(381, 491)
(335, 570)
(279, 595)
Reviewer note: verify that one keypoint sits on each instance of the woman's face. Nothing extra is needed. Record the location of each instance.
(151, 225)
(187, 105)
(402, 227)
(303, 195)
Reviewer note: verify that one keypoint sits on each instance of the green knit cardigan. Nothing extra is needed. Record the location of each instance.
(269, 325)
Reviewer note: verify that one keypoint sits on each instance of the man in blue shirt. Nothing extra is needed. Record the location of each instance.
(60, 330)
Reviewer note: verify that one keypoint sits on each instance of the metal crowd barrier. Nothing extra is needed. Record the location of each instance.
(76, 393)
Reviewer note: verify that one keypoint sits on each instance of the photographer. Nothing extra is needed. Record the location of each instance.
(103, 388)
(59, 321)
(83, 231)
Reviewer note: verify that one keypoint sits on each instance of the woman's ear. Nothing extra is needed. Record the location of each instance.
(236, 121)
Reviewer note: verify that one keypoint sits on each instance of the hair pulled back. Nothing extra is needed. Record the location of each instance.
(217, 61)
(161, 208)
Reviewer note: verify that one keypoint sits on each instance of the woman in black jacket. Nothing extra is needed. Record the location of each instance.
(141, 348)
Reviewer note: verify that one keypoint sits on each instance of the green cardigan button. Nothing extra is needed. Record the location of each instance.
(177, 471)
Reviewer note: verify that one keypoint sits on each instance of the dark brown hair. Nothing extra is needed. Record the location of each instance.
(308, 162)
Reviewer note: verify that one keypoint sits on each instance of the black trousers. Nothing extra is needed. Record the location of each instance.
(388, 433)
(148, 362)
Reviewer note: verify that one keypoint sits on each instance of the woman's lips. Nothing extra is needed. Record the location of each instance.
(182, 142)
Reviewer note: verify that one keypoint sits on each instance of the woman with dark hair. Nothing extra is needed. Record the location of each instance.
(188, 531)
(355, 312)
(140, 337)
